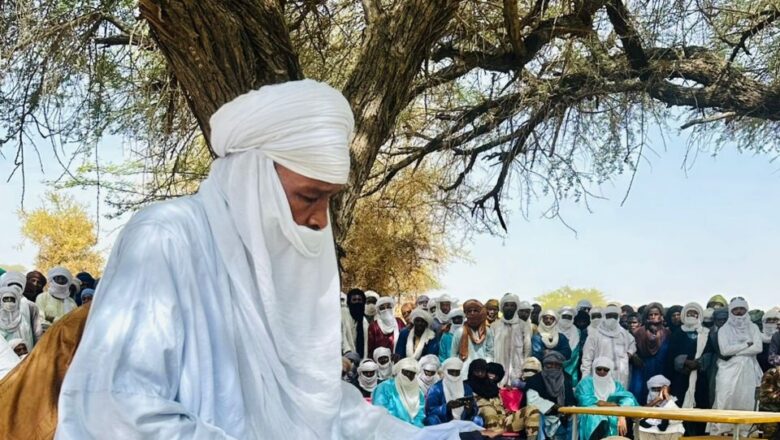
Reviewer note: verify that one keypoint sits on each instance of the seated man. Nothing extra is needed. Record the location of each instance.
(429, 372)
(659, 397)
(419, 340)
(491, 409)
(401, 396)
(601, 389)
(384, 361)
(550, 390)
(769, 396)
(367, 379)
(451, 398)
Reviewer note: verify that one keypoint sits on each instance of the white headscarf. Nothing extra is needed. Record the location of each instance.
(549, 333)
(371, 308)
(422, 302)
(611, 326)
(583, 304)
(441, 316)
(368, 383)
(304, 126)
(416, 351)
(454, 313)
(429, 362)
(14, 279)
(740, 324)
(59, 291)
(689, 323)
(769, 329)
(525, 305)
(432, 305)
(656, 381)
(386, 318)
(595, 323)
(603, 386)
(453, 385)
(386, 370)
(566, 326)
(10, 314)
(510, 298)
(408, 390)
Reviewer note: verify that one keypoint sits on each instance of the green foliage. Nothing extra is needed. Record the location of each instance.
(568, 296)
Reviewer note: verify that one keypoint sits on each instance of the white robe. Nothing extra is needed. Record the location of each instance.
(159, 359)
(8, 359)
(617, 348)
(349, 333)
(738, 377)
(512, 344)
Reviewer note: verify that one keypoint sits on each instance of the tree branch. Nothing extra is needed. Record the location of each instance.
(770, 16)
(708, 119)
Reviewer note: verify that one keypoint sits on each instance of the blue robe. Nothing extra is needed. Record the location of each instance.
(432, 347)
(386, 396)
(538, 348)
(436, 411)
(586, 396)
(654, 365)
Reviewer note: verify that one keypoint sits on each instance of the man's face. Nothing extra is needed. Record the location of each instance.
(474, 315)
(429, 373)
(654, 316)
(420, 325)
(20, 350)
(552, 366)
(86, 300)
(509, 309)
(409, 374)
(356, 299)
(60, 279)
(524, 314)
(406, 310)
(492, 312)
(453, 373)
(368, 374)
(445, 306)
(739, 311)
(480, 373)
(383, 360)
(586, 309)
(692, 314)
(602, 371)
(676, 318)
(385, 306)
(612, 316)
(595, 315)
(36, 283)
(457, 320)
(548, 320)
(308, 198)
(719, 322)
(633, 323)
(370, 300)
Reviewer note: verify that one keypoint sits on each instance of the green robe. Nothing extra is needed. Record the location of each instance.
(586, 396)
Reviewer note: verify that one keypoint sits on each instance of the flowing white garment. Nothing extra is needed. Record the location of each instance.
(512, 339)
(738, 377)
(8, 359)
(232, 331)
(615, 345)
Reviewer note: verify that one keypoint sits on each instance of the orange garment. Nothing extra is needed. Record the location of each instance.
(29, 393)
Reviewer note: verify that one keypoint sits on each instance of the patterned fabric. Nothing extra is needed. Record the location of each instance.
(769, 398)
(496, 417)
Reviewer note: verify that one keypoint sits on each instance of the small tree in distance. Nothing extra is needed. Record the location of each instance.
(568, 296)
(64, 235)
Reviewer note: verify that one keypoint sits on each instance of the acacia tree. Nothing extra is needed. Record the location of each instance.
(508, 98)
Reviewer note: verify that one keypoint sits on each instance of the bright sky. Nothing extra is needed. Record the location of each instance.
(681, 236)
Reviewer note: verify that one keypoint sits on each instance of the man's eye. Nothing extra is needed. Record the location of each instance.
(307, 199)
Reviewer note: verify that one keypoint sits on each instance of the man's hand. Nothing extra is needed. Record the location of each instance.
(691, 365)
(603, 403)
(622, 426)
(452, 404)
(637, 361)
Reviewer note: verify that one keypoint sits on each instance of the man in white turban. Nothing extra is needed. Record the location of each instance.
(429, 372)
(738, 373)
(27, 308)
(371, 304)
(56, 301)
(232, 331)
(401, 396)
(384, 331)
(15, 317)
(611, 341)
(441, 317)
(419, 340)
(384, 361)
(512, 339)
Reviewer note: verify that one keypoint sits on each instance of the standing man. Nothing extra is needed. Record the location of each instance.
(491, 308)
(56, 301)
(371, 299)
(738, 374)
(512, 339)
(36, 281)
(354, 325)
(610, 341)
(475, 339)
(232, 329)
(441, 319)
(384, 331)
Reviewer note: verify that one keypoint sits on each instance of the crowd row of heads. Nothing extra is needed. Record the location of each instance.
(59, 282)
(583, 315)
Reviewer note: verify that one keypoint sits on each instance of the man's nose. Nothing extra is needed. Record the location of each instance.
(319, 219)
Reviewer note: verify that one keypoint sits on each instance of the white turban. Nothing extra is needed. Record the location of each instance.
(372, 294)
(406, 364)
(456, 312)
(603, 362)
(56, 290)
(737, 303)
(420, 313)
(658, 381)
(10, 279)
(611, 309)
(524, 305)
(304, 126)
(429, 362)
(509, 297)
(431, 304)
(385, 300)
(452, 363)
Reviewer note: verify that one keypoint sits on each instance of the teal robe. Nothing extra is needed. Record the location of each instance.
(386, 396)
(586, 396)
(572, 365)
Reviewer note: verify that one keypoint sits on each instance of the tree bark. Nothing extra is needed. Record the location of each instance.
(220, 49)
(381, 86)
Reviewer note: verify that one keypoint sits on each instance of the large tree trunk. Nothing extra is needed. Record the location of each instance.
(220, 49)
(380, 87)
